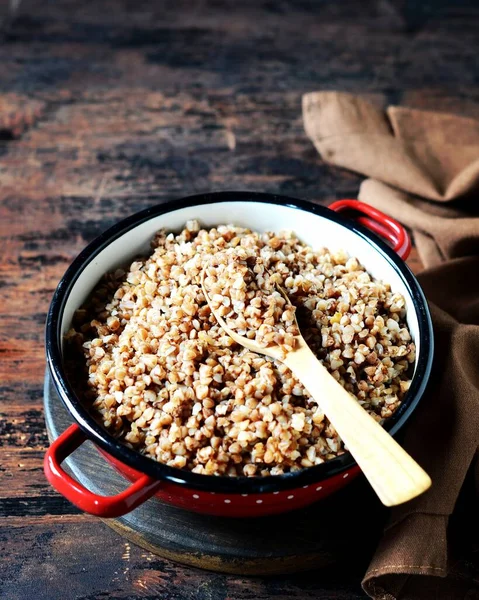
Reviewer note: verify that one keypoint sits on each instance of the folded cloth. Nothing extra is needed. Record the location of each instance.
(408, 153)
(440, 232)
(426, 174)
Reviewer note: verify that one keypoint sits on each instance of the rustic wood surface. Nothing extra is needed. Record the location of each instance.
(108, 107)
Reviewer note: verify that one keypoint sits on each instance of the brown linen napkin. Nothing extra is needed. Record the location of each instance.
(408, 153)
(440, 232)
(413, 153)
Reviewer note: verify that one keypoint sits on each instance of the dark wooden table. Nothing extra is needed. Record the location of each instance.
(107, 107)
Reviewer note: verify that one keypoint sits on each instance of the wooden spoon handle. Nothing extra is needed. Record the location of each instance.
(394, 475)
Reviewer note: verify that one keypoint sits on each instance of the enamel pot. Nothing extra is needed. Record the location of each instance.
(347, 224)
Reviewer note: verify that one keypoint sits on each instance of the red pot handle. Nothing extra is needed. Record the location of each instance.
(101, 506)
(377, 221)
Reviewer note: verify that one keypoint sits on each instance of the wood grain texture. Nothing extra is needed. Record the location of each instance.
(115, 106)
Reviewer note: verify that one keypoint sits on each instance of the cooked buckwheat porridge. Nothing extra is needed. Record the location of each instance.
(163, 377)
(244, 293)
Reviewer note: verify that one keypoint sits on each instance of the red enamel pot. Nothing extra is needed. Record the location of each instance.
(347, 224)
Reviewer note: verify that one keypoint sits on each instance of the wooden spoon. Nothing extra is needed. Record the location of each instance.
(394, 475)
